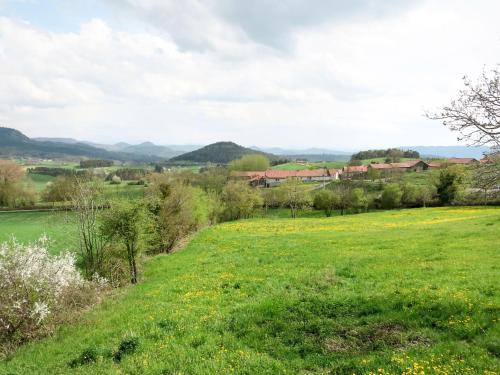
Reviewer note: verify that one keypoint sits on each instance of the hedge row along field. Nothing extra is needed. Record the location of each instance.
(399, 292)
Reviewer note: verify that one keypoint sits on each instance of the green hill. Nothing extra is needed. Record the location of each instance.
(219, 153)
(409, 291)
(13, 143)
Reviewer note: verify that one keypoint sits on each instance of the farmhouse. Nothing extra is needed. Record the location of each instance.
(275, 177)
(354, 171)
(463, 161)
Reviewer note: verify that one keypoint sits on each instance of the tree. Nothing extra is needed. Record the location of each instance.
(123, 222)
(391, 196)
(358, 200)
(271, 197)
(487, 176)
(342, 191)
(294, 195)
(426, 194)
(374, 174)
(255, 162)
(61, 189)
(326, 200)
(13, 189)
(448, 184)
(410, 195)
(475, 114)
(88, 205)
(239, 201)
(176, 209)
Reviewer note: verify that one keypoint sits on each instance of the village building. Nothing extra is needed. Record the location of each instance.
(275, 177)
(354, 171)
(462, 161)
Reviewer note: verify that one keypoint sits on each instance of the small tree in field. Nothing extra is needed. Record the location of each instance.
(123, 222)
(391, 196)
(325, 200)
(295, 195)
(449, 183)
(87, 204)
(254, 162)
(358, 200)
(239, 201)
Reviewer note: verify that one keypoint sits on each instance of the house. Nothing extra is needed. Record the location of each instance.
(462, 161)
(354, 171)
(434, 165)
(411, 165)
(275, 177)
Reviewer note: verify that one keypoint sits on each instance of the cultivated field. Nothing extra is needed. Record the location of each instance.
(409, 291)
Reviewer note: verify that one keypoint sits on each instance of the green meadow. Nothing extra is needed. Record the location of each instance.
(396, 292)
(29, 226)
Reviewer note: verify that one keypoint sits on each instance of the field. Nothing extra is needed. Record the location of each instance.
(409, 291)
(29, 226)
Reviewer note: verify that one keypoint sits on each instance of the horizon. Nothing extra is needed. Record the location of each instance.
(342, 76)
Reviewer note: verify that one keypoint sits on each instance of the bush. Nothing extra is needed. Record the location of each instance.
(255, 162)
(37, 289)
(175, 210)
(358, 200)
(239, 201)
(61, 189)
(115, 180)
(128, 346)
(391, 196)
(325, 200)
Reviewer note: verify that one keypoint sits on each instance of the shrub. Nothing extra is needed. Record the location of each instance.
(294, 195)
(239, 201)
(175, 210)
(115, 180)
(358, 200)
(255, 162)
(128, 346)
(36, 289)
(391, 196)
(325, 200)
(448, 184)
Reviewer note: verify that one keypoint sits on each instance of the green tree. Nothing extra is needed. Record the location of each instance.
(124, 222)
(374, 174)
(294, 195)
(239, 201)
(391, 196)
(358, 200)
(448, 184)
(252, 162)
(326, 200)
(61, 189)
(176, 209)
(410, 195)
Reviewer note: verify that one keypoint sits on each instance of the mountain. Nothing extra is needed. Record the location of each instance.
(15, 143)
(301, 152)
(449, 151)
(220, 153)
(148, 148)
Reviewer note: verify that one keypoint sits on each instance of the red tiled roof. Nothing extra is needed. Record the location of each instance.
(334, 171)
(279, 174)
(312, 173)
(381, 166)
(434, 164)
(461, 160)
(356, 168)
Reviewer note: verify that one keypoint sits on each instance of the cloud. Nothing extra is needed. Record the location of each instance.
(353, 76)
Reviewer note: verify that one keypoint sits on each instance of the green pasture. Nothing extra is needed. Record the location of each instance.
(29, 226)
(301, 166)
(395, 292)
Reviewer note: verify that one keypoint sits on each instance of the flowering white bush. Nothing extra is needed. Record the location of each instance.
(35, 286)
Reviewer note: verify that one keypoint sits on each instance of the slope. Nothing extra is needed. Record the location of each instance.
(388, 292)
(15, 144)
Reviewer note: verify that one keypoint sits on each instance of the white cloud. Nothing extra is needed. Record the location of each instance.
(196, 73)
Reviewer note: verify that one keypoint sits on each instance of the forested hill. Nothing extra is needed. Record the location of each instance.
(13, 143)
(220, 153)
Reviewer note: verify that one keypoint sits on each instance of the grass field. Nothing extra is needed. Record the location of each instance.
(29, 226)
(397, 292)
(40, 181)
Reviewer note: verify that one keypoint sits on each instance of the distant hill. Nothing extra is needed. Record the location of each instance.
(14, 143)
(148, 148)
(301, 152)
(220, 153)
(449, 151)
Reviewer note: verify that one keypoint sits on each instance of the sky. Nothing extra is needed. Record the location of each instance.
(338, 74)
